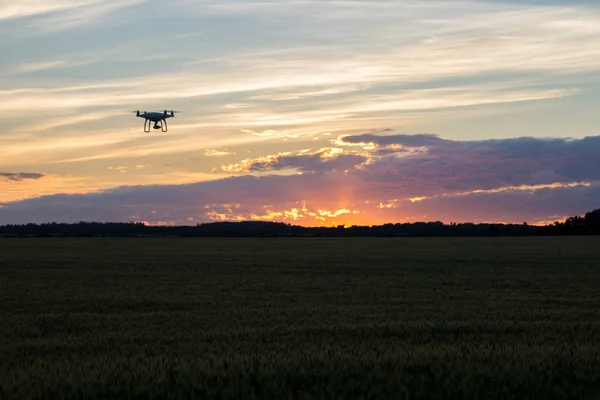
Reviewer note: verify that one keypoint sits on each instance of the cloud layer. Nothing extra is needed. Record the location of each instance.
(427, 164)
(19, 176)
(369, 179)
(288, 68)
(277, 97)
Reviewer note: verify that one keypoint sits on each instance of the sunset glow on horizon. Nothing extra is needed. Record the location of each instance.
(309, 112)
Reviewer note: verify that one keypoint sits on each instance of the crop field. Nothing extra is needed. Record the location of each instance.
(283, 318)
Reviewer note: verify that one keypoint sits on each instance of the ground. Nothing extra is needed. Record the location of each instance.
(453, 318)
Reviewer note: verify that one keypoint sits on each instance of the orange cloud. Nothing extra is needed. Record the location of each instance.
(297, 215)
(216, 153)
(121, 169)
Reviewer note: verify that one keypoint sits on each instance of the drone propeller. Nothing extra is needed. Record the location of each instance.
(172, 112)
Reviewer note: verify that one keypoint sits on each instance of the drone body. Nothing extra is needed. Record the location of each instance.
(156, 117)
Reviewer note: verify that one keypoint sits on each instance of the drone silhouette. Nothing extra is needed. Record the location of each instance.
(157, 118)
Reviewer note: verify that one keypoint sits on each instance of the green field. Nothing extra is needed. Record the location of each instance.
(455, 318)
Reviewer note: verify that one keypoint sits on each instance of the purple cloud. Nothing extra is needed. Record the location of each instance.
(311, 163)
(475, 165)
(508, 180)
(323, 161)
(20, 176)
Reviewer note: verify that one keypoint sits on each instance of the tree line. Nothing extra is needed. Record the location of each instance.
(589, 224)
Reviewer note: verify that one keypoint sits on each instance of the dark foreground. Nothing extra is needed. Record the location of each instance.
(481, 318)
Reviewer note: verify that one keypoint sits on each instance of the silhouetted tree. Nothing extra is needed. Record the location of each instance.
(576, 225)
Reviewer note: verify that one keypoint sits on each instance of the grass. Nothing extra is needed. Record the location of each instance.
(478, 318)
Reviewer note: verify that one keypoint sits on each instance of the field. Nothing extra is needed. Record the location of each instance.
(482, 318)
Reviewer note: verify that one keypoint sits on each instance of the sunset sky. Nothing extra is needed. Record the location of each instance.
(311, 112)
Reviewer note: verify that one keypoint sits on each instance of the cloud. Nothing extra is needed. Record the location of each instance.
(20, 176)
(216, 153)
(501, 180)
(279, 74)
(426, 164)
(40, 66)
(324, 160)
(299, 199)
(514, 205)
(61, 14)
(264, 133)
(323, 77)
(121, 169)
(10, 9)
(418, 140)
(248, 163)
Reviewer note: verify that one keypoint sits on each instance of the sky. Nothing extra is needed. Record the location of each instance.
(309, 112)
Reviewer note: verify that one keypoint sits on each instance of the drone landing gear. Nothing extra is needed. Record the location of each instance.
(163, 125)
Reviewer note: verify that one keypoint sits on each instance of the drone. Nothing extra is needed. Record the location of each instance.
(157, 118)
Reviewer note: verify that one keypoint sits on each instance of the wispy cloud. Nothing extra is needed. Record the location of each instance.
(120, 168)
(10, 9)
(39, 66)
(513, 40)
(62, 14)
(216, 153)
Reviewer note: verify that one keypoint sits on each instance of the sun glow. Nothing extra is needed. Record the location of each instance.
(303, 214)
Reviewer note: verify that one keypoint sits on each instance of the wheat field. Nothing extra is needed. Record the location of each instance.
(292, 318)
